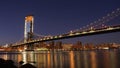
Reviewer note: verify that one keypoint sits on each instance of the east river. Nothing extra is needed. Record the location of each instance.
(67, 59)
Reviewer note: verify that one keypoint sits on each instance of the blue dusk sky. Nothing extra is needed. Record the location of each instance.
(53, 17)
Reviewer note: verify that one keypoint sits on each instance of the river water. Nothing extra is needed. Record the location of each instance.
(67, 59)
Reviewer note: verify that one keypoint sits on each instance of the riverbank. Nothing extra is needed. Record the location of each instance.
(10, 64)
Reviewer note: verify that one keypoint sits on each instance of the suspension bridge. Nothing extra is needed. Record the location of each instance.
(94, 28)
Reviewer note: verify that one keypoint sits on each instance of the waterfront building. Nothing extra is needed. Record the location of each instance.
(67, 46)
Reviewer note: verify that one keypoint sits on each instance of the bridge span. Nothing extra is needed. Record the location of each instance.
(96, 31)
(97, 27)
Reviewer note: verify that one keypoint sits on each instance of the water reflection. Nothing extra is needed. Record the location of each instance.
(72, 61)
(28, 57)
(68, 59)
(93, 59)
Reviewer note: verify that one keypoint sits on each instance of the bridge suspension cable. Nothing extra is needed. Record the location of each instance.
(40, 36)
(101, 22)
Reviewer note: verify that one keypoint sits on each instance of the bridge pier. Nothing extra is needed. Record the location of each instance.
(29, 47)
(51, 45)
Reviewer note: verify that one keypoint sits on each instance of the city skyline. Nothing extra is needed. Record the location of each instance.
(54, 17)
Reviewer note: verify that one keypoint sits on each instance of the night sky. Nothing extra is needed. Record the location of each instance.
(53, 17)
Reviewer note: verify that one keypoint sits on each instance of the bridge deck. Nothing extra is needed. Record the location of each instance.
(75, 34)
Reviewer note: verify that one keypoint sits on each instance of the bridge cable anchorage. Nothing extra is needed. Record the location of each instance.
(100, 22)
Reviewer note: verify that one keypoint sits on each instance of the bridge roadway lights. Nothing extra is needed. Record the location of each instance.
(76, 34)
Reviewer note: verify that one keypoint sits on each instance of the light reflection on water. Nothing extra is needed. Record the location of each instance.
(67, 59)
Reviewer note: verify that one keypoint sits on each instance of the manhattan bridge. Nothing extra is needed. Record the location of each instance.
(99, 26)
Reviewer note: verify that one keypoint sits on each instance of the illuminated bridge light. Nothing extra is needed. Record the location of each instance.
(48, 38)
(44, 38)
(51, 37)
(55, 37)
(91, 31)
(71, 33)
(33, 40)
(84, 32)
(37, 40)
(110, 28)
(40, 39)
(60, 36)
(77, 33)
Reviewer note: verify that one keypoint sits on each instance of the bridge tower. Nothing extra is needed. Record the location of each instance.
(28, 29)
